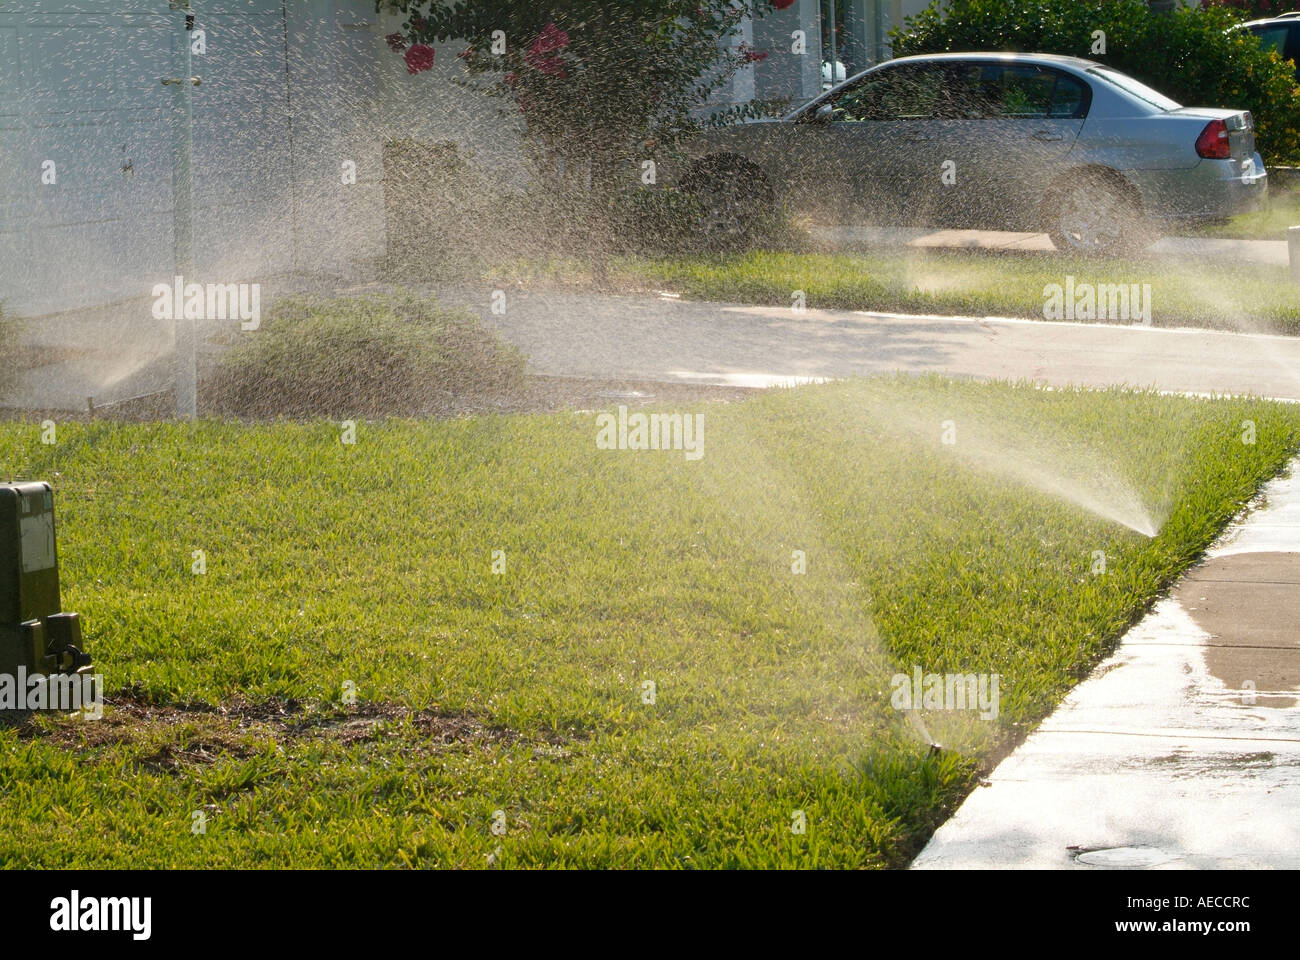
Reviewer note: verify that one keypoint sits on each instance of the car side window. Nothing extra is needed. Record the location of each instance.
(1026, 92)
(1273, 36)
(1071, 98)
(972, 97)
(991, 91)
(899, 93)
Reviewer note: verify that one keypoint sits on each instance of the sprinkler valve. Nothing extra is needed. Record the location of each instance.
(37, 638)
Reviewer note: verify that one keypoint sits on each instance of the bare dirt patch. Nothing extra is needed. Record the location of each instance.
(171, 737)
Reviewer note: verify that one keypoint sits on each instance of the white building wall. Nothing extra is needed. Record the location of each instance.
(80, 88)
(431, 106)
(281, 116)
(784, 73)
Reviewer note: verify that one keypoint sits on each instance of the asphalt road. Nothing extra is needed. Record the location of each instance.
(582, 334)
(661, 338)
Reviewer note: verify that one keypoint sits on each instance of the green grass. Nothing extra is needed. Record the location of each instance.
(370, 565)
(1280, 210)
(1233, 297)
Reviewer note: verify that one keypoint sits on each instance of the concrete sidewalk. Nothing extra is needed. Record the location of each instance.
(840, 238)
(1182, 750)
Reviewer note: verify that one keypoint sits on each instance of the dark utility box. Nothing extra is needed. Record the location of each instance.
(34, 632)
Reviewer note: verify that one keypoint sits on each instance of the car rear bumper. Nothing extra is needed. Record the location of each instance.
(1212, 190)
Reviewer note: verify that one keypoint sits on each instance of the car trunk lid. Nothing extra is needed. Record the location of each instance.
(1240, 124)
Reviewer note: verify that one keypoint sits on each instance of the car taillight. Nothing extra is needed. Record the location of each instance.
(1213, 144)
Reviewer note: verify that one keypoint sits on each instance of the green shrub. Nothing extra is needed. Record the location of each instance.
(1188, 53)
(362, 357)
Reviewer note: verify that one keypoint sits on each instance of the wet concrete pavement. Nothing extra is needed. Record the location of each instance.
(1182, 750)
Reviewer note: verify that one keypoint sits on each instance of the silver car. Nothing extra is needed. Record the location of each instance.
(1014, 141)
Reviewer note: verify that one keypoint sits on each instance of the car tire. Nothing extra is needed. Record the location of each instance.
(732, 195)
(1095, 215)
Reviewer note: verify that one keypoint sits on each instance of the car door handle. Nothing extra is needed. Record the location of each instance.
(1046, 135)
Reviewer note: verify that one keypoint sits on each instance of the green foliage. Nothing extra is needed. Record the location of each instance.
(361, 357)
(599, 85)
(1189, 53)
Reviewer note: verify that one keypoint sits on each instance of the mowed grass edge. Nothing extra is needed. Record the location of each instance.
(1241, 297)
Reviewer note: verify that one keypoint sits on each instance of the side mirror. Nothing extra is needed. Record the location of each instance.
(824, 113)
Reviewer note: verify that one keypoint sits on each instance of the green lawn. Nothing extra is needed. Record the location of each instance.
(369, 567)
(1243, 297)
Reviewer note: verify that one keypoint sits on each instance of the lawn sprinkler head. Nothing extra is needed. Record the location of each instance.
(42, 666)
(935, 749)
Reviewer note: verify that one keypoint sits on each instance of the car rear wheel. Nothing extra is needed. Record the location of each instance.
(1093, 216)
(732, 197)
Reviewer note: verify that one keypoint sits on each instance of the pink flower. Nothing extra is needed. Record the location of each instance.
(751, 56)
(396, 42)
(551, 40)
(782, 4)
(419, 58)
(542, 55)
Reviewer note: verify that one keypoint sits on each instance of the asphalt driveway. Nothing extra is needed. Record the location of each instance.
(586, 335)
(583, 334)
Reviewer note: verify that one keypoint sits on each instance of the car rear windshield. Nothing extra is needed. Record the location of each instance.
(1136, 89)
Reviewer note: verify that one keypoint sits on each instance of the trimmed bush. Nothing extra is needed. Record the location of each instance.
(363, 357)
(1188, 53)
